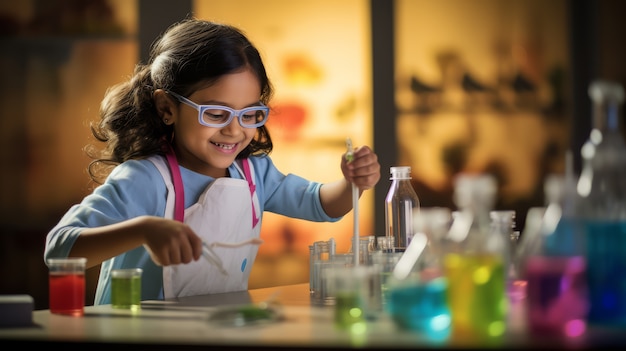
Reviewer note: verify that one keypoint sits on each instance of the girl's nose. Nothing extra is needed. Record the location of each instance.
(233, 128)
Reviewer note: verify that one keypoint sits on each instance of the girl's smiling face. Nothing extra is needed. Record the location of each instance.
(208, 150)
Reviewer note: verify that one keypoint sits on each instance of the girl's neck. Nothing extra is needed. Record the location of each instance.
(200, 167)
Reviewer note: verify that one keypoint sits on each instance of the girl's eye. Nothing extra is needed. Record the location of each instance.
(249, 117)
(216, 115)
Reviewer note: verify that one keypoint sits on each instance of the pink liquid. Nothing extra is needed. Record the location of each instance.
(556, 295)
(67, 294)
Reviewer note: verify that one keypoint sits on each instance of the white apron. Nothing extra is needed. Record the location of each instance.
(226, 213)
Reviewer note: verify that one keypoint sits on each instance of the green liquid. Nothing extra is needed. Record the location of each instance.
(348, 310)
(384, 285)
(126, 293)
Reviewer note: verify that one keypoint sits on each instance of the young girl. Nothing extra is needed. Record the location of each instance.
(186, 171)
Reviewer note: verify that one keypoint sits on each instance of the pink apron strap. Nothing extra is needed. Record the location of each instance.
(248, 175)
(179, 191)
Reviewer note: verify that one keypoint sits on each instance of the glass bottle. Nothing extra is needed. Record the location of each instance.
(562, 237)
(435, 223)
(400, 205)
(321, 253)
(474, 263)
(503, 223)
(367, 245)
(417, 290)
(529, 243)
(602, 206)
(554, 268)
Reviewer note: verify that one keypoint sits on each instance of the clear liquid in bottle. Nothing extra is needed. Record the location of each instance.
(400, 205)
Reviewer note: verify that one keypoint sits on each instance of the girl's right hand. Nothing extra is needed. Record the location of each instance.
(171, 242)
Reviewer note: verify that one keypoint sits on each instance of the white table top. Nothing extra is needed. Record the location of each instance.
(184, 323)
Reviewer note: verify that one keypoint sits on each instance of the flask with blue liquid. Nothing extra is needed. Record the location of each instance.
(601, 207)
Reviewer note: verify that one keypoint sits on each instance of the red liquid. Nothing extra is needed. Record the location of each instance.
(67, 294)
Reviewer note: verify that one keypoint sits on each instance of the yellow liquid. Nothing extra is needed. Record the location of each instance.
(476, 295)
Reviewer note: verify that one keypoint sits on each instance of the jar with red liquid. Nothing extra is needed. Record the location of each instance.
(554, 267)
(67, 285)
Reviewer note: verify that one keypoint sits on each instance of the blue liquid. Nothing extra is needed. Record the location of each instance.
(566, 240)
(606, 271)
(421, 307)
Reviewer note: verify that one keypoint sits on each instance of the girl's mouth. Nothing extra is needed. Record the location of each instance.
(225, 146)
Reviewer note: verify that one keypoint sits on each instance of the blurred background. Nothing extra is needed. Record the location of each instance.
(448, 86)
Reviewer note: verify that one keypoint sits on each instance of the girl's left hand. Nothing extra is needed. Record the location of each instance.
(363, 170)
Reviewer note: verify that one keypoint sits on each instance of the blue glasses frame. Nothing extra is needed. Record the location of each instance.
(238, 113)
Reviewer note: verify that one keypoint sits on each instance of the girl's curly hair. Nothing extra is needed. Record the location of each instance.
(190, 54)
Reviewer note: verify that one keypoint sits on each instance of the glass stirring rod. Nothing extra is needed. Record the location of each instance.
(211, 256)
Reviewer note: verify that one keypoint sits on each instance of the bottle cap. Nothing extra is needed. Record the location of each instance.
(400, 172)
(473, 189)
(602, 90)
(554, 188)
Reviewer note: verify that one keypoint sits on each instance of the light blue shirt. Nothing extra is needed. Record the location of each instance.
(136, 188)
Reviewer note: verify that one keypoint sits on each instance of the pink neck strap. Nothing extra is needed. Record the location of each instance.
(179, 190)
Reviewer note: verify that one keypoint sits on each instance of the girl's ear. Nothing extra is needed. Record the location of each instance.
(165, 106)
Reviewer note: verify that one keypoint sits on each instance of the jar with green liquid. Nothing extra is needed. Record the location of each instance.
(126, 288)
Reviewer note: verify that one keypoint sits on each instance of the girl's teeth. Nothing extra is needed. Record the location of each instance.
(223, 146)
